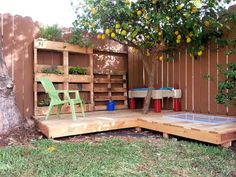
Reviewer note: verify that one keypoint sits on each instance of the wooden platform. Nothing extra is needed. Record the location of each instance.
(222, 134)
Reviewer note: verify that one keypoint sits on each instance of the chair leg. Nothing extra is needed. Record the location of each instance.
(82, 109)
(72, 107)
(59, 110)
(49, 110)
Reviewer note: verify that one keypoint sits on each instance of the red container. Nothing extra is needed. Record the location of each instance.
(131, 103)
(176, 104)
(157, 105)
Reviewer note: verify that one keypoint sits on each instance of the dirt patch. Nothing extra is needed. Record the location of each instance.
(19, 136)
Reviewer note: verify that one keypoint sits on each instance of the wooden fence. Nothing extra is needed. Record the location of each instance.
(198, 94)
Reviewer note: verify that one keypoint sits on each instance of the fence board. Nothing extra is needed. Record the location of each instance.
(197, 85)
(213, 83)
(182, 77)
(203, 82)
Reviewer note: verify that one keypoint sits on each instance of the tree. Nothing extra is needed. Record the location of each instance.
(156, 28)
(9, 114)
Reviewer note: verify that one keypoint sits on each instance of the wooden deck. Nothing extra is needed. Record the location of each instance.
(222, 134)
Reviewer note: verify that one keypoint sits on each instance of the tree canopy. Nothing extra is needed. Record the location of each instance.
(153, 24)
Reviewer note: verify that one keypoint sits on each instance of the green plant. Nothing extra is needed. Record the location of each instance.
(52, 70)
(53, 32)
(77, 70)
(44, 102)
(227, 87)
(78, 38)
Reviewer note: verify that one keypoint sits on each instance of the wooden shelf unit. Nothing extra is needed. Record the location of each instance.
(64, 81)
(110, 85)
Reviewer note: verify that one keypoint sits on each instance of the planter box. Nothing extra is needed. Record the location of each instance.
(80, 78)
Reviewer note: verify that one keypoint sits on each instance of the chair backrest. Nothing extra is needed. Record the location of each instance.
(49, 88)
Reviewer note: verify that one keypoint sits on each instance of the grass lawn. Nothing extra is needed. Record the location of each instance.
(116, 157)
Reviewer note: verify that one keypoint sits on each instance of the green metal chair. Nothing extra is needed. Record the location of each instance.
(56, 100)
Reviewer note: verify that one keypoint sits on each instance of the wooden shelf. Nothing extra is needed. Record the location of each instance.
(83, 83)
(110, 85)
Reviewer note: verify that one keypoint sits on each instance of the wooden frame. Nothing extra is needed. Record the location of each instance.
(65, 79)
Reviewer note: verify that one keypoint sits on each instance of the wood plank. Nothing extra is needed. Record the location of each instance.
(80, 78)
(118, 80)
(51, 77)
(104, 72)
(65, 109)
(60, 46)
(115, 89)
(101, 80)
(100, 90)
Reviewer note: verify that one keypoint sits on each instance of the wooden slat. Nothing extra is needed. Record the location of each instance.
(60, 46)
(115, 89)
(109, 72)
(99, 89)
(101, 80)
(80, 78)
(39, 111)
(51, 77)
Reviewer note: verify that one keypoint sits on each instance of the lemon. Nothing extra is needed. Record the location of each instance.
(113, 35)
(186, 14)
(117, 26)
(117, 30)
(179, 37)
(123, 33)
(99, 36)
(177, 41)
(107, 31)
(127, 1)
(199, 53)
(176, 33)
(94, 10)
(161, 58)
(103, 36)
(188, 40)
(190, 34)
(159, 33)
(206, 23)
(139, 12)
(194, 10)
(179, 7)
(161, 44)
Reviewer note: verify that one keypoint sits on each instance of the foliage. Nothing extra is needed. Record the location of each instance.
(156, 24)
(79, 38)
(53, 33)
(52, 70)
(44, 102)
(77, 70)
(227, 87)
(116, 157)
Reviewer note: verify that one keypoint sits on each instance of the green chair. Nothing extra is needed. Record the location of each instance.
(56, 100)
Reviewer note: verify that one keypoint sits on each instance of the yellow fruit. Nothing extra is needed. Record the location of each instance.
(113, 35)
(186, 14)
(177, 41)
(194, 10)
(107, 31)
(179, 7)
(127, 1)
(161, 58)
(139, 12)
(123, 33)
(179, 37)
(117, 30)
(161, 44)
(94, 10)
(117, 26)
(167, 18)
(206, 23)
(159, 33)
(190, 34)
(103, 36)
(188, 40)
(199, 53)
(154, 1)
(176, 33)
(99, 36)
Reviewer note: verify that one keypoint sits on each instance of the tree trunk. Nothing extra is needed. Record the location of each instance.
(151, 77)
(9, 114)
